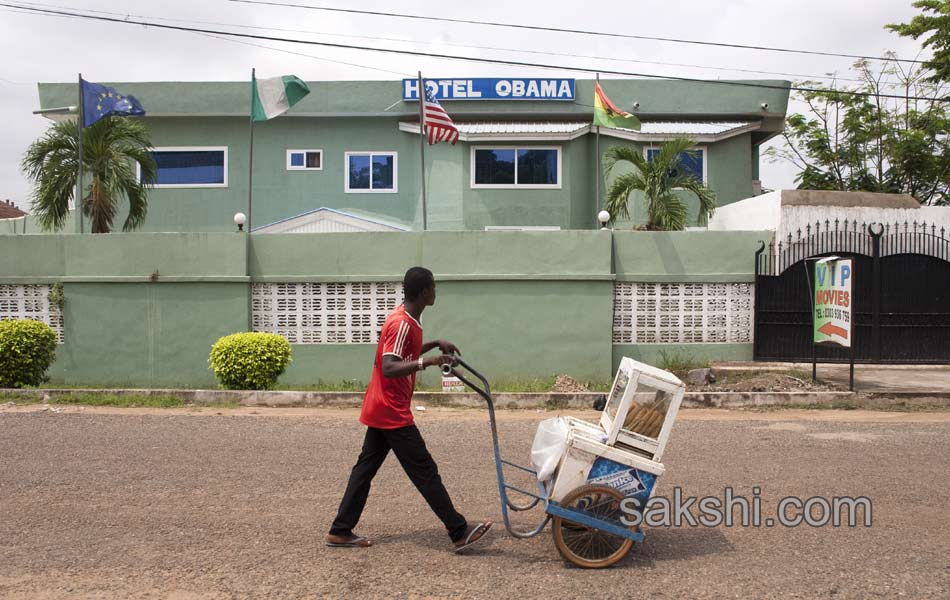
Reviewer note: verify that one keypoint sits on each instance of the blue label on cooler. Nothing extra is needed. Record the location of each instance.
(631, 482)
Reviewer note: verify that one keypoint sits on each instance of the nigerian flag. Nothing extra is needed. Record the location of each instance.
(606, 114)
(274, 96)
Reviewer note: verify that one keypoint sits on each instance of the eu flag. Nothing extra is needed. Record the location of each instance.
(99, 101)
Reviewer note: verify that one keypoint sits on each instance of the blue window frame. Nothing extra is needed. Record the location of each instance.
(305, 160)
(369, 172)
(691, 163)
(504, 167)
(191, 167)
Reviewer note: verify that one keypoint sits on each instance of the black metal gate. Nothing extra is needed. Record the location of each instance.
(900, 294)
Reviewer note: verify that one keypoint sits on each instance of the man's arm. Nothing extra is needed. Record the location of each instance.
(393, 366)
(443, 345)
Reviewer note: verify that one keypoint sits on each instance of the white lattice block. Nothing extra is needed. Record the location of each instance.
(324, 313)
(31, 301)
(682, 313)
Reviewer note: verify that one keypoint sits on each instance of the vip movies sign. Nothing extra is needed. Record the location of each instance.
(492, 89)
(833, 302)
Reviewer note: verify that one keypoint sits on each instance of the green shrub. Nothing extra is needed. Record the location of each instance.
(250, 361)
(27, 348)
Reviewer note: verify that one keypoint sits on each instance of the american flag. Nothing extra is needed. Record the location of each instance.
(439, 125)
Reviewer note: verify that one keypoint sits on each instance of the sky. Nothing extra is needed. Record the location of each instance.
(54, 49)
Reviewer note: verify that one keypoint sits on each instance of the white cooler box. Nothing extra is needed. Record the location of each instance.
(588, 460)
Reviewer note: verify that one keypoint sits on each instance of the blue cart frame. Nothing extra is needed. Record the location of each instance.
(551, 507)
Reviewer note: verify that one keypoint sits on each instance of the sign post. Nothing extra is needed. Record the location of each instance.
(833, 301)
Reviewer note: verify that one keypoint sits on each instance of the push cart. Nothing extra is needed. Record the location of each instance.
(606, 472)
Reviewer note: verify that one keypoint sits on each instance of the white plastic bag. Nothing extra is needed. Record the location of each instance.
(550, 443)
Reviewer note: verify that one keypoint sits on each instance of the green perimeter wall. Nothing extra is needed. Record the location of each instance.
(144, 309)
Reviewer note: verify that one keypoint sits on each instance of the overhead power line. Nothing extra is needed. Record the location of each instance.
(747, 84)
(452, 44)
(566, 30)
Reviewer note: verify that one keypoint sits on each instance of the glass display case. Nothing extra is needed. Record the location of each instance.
(641, 407)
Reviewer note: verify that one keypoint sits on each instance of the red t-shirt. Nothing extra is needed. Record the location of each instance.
(386, 404)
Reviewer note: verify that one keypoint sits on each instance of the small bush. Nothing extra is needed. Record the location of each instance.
(27, 349)
(250, 361)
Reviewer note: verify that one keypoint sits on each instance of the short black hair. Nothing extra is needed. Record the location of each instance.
(416, 281)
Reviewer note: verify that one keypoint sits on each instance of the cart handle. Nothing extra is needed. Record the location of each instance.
(506, 503)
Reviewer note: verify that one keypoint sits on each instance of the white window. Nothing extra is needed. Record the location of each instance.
(305, 160)
(371, 172)
(190, 166)
(528, 167)
(324, 313)
(683, 313)
(31, 302)
(691, 163)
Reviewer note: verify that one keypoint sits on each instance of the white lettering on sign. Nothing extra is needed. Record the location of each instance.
(493, 89)
(471, 93)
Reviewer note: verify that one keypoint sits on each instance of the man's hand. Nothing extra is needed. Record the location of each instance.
(442, 359)
(448, 347)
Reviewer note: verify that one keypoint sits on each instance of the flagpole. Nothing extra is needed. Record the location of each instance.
(422, 149)
(81, 123)
(597, 153)
(250, 156)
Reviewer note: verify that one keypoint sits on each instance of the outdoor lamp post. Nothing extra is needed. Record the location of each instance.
(240, 219)
(604, 217)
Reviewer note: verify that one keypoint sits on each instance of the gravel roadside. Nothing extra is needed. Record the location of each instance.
(195, 504)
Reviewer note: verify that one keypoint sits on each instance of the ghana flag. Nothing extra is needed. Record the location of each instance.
(606, 114)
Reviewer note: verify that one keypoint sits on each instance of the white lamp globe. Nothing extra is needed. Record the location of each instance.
(240, 219)
(603, 216)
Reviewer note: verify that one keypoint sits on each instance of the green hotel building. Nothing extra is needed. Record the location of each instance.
(347, 157)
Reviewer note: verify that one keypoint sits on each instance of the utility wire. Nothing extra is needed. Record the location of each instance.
(746, 84)
(455, 45)
(564, 30)
(340, 62)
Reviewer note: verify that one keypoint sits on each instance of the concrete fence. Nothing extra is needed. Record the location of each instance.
(144, 309)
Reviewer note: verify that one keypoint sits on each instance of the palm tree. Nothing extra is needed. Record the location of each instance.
(659, 179)
(111, 147)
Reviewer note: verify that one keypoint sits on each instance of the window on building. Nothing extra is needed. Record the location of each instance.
(533, 167)
(191, 167)
(371, 172)
(305, 160)
(691, 163)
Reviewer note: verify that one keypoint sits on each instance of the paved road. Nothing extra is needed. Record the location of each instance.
(99, 503)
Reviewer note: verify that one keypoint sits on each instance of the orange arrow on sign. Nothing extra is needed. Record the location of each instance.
(829, 329)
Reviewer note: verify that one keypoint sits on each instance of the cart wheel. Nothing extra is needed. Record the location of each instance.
(582, 545)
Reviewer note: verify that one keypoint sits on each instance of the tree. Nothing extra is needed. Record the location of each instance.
(661, 180)
(853, 139)
(111, 148)
(936, 28)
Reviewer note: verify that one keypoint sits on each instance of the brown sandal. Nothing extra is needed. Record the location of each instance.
(352, 541)
(472, 535)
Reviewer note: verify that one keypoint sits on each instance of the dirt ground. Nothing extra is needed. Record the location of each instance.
(234, 503)
(765, 381)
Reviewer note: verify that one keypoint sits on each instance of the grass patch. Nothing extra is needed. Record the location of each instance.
(113, 400)
(680, 362)
(118, 400)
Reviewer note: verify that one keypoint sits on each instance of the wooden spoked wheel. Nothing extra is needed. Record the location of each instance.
(585, 546)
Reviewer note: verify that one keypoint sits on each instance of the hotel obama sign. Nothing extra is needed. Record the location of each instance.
(492, 89)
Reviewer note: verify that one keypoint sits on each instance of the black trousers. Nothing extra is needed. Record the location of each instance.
(410, 449)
